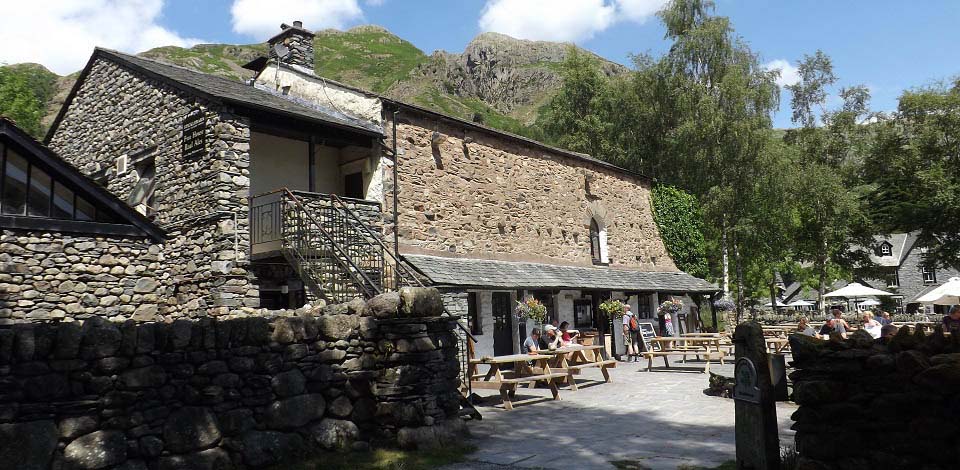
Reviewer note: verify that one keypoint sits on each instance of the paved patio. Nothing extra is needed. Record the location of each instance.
(659, 419)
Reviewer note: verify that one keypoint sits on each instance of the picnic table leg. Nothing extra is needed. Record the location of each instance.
(649, 363)
(505, 392)
(606, 374)
(553, 388)
(706, 368)
(666, 363)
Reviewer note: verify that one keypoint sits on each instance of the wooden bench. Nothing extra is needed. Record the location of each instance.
(602, 364)
(707, 355)
(523, 372)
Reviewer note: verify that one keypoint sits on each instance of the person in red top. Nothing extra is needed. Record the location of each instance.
(566, 335)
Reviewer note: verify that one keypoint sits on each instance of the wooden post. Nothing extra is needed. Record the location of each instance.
(757, 435)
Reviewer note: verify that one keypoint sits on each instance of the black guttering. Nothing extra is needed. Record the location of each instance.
(67, 172)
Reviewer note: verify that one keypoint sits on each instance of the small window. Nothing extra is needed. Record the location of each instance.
(886, 250)
(84, 210)
(473, 313)
(41, 187)
(929, 275)
(894, 279)
(62, 202)
(595, 241)
(15, 173)
(142, 195)
(353, 185)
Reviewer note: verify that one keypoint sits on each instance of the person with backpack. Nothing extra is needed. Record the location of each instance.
(631, 335)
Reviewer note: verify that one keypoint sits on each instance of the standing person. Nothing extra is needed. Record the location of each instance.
(668, 323)
(631, 334)
(532, 344)
(951, 322)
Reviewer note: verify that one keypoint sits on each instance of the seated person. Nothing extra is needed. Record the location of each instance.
(951, 322)
(804, 328)
(531, 344)
(887, 332)
(885, 319)
(552, 339)
(826, 329)
(870, 325)
(567, 335)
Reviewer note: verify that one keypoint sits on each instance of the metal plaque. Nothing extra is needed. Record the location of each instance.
(746, 387)
(195, 134)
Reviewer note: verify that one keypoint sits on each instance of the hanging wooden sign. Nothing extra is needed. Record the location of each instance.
(194, 134)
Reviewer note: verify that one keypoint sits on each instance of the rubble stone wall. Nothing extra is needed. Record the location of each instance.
(865, 405)
(229, 393)
(200, 201)
(479, 194)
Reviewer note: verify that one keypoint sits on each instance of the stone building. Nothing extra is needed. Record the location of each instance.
(68, 248)
(285, 188)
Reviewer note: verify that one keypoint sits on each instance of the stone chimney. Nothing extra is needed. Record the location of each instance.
(298, 40)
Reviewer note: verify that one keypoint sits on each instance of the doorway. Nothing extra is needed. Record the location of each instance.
(502, 324)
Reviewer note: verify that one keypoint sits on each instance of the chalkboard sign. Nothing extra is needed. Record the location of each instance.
(647, 333)
(194, 134)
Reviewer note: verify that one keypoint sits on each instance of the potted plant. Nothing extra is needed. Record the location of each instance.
(612, 308)
(726, 307)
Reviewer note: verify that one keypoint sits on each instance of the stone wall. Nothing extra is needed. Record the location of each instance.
(493, 197)
(53, 276)
(235, 393)
(201, 202)
(865, 405)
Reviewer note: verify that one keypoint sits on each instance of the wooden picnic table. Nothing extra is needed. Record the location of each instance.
(506, 381)
(697, 346)
(574, 358)
(777, 345)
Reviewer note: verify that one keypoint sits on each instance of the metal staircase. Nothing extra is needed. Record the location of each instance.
(340, 257)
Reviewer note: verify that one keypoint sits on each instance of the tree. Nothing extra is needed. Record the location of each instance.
(914, 170)
(24, 92)
(680, 222)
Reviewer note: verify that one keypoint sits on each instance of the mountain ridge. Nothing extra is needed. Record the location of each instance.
(498, 80)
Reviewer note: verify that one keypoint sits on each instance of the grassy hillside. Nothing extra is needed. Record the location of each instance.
(368, 57)
(219, 59)
(25, 90)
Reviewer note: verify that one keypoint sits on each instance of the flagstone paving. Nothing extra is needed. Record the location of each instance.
(660, 420)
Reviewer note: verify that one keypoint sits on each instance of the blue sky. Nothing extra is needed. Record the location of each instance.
(886, 45)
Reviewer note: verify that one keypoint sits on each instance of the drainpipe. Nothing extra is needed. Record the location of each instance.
(396, 202)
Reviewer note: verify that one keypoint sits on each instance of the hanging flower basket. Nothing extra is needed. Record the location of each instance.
(612, 308)
(671, 306)
(533, 309)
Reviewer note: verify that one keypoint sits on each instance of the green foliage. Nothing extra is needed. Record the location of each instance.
(225, 60)
(612, 308)
(680, 221)
(25, 90)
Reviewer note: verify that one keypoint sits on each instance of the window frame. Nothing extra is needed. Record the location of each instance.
(473, 314)
(929, 275)
(886, 249)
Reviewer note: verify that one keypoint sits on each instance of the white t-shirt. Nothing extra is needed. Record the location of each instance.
(626, 318)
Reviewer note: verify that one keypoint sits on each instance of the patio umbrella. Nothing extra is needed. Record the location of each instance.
(870, 303)
(855, 290)
(947, 294)
(779, 304)
(800, 303)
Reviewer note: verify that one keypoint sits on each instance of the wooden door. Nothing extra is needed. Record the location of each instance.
(502, 324)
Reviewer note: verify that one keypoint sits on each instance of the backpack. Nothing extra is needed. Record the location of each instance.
(634, 324)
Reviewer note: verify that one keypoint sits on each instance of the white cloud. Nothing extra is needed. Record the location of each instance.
(61, 34)
(789, 75)
(562, 20)
(640, 10)
(261, 19)
(552, 20)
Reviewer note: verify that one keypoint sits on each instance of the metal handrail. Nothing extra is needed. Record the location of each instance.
(397, 262)
(342, 257)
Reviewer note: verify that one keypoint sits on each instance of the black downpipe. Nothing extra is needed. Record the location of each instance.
(396, 202)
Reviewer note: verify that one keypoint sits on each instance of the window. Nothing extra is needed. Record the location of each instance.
(353, 185)
(15, 171)
(473, 314)
(893, 280)
(142, 195)
(644, 310)
(596, 242)
(582, 313)
(41, 192)
(929, 275)
(886, 249)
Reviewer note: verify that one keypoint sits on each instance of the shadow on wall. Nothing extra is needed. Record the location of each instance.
(236, 392)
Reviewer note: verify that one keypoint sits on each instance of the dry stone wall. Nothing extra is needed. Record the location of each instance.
(201, 201)
(868, 405)
(496, 198)
(52, 276)
(235, 393)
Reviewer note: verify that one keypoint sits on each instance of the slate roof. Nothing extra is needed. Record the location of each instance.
(507, 274)
(900, 246)
(225, 90)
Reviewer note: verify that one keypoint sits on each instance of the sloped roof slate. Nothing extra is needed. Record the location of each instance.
(508, 274)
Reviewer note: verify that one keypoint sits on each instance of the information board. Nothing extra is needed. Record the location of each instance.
(194, 134)
(647, 332)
